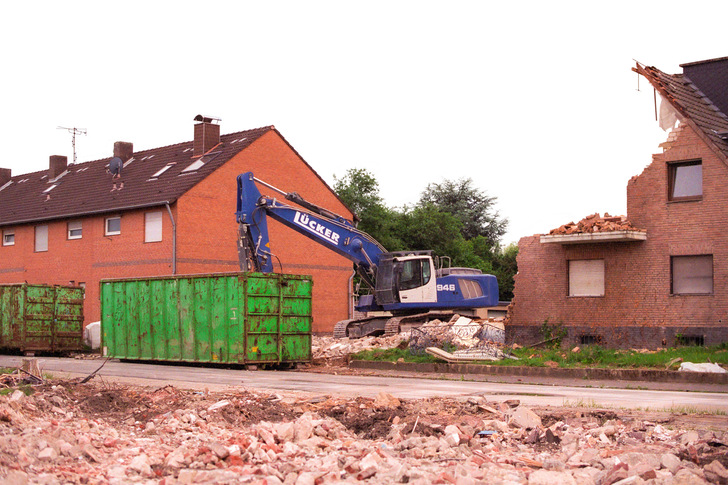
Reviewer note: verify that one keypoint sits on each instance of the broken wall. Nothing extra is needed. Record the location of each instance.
(637, 309)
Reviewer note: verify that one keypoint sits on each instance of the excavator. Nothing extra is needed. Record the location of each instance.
(407, 288)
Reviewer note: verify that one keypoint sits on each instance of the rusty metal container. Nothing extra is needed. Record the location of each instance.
(41, 318)
(229, 318)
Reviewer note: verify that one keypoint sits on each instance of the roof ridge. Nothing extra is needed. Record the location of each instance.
(78, 164)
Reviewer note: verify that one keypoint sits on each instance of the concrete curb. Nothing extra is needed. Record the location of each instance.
(648, 375)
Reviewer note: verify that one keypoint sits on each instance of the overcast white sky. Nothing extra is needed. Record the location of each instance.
(535, 101)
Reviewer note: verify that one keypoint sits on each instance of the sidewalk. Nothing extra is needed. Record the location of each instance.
(589, 377)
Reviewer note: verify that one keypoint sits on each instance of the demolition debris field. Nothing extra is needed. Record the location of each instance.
(101, 432)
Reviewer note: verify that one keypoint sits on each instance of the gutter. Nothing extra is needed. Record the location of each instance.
(86, 213)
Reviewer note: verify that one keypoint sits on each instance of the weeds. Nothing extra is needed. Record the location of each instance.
(593, 356)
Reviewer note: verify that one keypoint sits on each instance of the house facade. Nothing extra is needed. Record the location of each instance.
(660, 278)
(170, 210)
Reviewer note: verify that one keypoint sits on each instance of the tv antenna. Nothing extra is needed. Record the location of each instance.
(74, 131)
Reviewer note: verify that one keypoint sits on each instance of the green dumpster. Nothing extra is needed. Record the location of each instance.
(41, 318)
(228, 318)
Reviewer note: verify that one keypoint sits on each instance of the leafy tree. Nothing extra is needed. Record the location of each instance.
(505, 268)
(453, 219)
(359, 190)
(474, 208)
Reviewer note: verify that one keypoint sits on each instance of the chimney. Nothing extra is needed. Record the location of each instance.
(123, 150)
(207, 135)
(57, 166)
(5, 176)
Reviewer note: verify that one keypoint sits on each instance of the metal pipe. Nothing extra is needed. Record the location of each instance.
(174, 239)
(350, 291)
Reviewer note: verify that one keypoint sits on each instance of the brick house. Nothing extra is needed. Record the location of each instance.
(659, 278)
(172, 211)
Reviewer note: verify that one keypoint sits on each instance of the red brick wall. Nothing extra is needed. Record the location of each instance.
(637, 274)
(89, 259)
(207, 230)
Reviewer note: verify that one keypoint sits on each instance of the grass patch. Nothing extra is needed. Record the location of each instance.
(588, 356)
(393, 355)
(26, 388)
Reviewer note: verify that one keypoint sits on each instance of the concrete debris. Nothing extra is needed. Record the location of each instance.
(104, 437)
(336, 350)
(596, 223)
(703, 367)
(471, 339)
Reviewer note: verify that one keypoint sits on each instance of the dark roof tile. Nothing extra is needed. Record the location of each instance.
(86, 188)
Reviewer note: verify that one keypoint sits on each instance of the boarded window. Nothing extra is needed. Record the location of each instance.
(685, 180)
(586, 277)
(692, 275)
(153, 226)
(112, 226)
(75, 230)
(8, 238)
(41, 238)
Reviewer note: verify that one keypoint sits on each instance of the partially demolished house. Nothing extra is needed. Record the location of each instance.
(160, 212)
(659, 276)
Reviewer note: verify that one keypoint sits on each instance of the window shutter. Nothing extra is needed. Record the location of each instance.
(692, 274)
(586, 277)
(41, 238)
(153, 226)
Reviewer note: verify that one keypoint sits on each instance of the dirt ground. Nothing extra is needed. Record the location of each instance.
(101, 432)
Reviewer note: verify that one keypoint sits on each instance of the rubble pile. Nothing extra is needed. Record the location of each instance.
(596, 223)
(466, 336)
(97, 434)
(325, 349)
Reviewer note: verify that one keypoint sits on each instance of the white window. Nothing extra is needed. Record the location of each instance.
(153, 226)
(586, 277)
(74, 230)
(9, 238)
(41, 238)
(692, 275)
(113, 226)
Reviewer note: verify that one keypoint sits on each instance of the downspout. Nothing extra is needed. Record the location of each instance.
(174, 239)
(350, 287)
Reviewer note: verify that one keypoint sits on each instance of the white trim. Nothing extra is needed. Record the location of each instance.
(73, 226)
(106, 226)
(9, 232)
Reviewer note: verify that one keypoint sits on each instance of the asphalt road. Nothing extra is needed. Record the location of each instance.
(315, 384)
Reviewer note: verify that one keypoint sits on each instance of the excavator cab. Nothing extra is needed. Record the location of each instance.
(406, 277)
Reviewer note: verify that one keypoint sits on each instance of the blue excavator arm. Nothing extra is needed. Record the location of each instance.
(326, 228)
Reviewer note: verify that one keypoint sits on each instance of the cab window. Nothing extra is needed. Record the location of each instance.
(414, 273)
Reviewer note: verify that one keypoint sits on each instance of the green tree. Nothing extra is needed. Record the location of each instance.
(452, 219)
(505, 268)
(359, 190)
(472, 207)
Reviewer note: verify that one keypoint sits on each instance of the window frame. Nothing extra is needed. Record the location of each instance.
(36, 233)
(147, 223)
(672, 274)
(672, 170)
(6, 233)
(70, 229)
(107, 232)
(570, 282)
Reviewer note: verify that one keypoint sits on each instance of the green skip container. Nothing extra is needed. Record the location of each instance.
(41, 318)
(225, 318)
